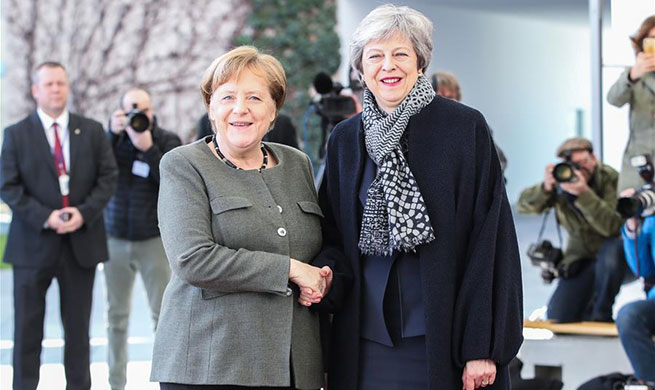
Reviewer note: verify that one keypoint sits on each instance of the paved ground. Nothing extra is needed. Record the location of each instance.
(140, 349)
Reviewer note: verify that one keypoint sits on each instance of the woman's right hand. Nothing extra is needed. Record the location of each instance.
(645, 63)
(313, 281)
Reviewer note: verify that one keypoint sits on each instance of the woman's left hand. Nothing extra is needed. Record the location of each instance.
(479, 373)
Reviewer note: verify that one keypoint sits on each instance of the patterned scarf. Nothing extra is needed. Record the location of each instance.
(395, 217)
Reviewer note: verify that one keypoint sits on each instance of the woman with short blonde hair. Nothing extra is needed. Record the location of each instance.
(239, 220)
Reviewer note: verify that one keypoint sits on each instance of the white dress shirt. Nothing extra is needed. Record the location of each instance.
(62, 131)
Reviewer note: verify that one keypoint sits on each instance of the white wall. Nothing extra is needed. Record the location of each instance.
(527, 76)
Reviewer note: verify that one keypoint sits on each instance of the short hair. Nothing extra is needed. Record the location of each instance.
(638, 39)
(44, 64)
(446, 80)
(386, 20)
(232, 63)
(574, 144)
(132, 89)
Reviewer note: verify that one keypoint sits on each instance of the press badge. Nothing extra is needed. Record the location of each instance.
(140, 168)
(64, 180)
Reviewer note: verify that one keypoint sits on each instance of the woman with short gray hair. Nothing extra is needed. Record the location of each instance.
(426, 292)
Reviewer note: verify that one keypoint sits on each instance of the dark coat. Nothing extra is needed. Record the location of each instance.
(132, 212)
(29, 185)
(470, 274)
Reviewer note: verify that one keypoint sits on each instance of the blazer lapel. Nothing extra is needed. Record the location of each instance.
(37, 133)
(74, 139)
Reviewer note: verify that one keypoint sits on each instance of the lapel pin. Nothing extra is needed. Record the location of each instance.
(77, 131)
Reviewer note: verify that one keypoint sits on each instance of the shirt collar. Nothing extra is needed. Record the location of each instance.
(47, 120)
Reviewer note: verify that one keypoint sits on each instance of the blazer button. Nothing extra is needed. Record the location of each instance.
(279, 208)
(289, 291)
(282, 232)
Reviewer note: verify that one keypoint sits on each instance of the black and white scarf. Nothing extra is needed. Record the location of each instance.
(395, 217)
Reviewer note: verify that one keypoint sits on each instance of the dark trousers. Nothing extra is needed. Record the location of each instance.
(636, 323)
(590, 293)
(75, 294)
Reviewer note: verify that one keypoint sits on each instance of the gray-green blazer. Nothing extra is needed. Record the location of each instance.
(641, 97)
(229, 314)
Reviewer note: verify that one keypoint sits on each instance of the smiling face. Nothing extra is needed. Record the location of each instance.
(50, 90)
(242, 111)
(390, 70)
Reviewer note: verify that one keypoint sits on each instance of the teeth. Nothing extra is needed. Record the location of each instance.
(390, 81)
(240, 123)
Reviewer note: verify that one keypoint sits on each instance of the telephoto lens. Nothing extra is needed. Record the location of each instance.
(564, 172)
(138, 120)
(641, 203)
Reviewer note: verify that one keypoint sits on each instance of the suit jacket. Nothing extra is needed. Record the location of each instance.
(229, 315)
(470, 274)
(29, 185)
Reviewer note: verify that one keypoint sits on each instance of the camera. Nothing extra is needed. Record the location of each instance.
(547, 257)
(137, 119)
(564, 172)
(642, 203)
(333, 106)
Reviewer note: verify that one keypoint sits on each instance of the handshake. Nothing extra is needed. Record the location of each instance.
(314, 282)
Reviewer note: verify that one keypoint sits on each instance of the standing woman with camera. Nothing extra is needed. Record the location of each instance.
(426, 292)
(636, 86)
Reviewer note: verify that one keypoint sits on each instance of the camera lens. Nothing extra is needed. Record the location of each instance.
(643, 201)
(139, 121)
(563, 172)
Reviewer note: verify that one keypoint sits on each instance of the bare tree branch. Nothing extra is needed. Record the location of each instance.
(109, 45)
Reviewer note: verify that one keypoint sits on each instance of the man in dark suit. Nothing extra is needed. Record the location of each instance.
(58, 173)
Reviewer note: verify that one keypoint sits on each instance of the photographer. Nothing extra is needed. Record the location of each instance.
(636, 320)
(636, 87)
(592, 268)
(131, 221)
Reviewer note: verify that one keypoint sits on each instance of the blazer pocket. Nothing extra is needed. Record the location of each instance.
(226, 203)
(310, 207)
(211, 294)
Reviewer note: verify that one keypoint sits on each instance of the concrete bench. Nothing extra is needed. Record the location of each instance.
(572, 353)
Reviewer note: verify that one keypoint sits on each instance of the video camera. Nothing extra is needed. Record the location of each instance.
(137, 119)
(332, 105)
(642, 203)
